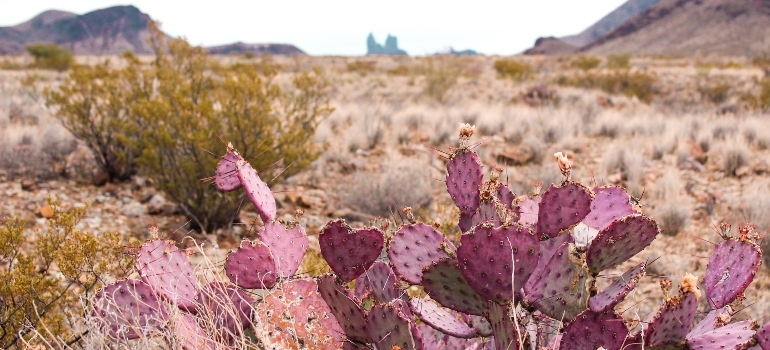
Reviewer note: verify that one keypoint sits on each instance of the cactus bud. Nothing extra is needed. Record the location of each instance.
(564, 164)
(409, 215)
(724, 230)
(466, 131)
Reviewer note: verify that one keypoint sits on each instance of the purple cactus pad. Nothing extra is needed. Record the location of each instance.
(295, 313)
(734, 336)
(591, 330)
(466, 222)
(251, 266)
(226, 177)
(390, 329)
(507, 334)
(763, 337)
(486, 213)
(562, 207)
(610, 204)
(672, 322)
(528, 211)
(730, 270)
(228, 307)
(347, 311)
(712, 321)
(620, 240)
(350, 252)
(506, 196)
(189, 335)
(288, 246)
(429, 336)
(440, 319)
(128, 309)
(413, 247)
(381, 281)
(547, 249)
(444, 283)
(258, 192)
(463, 178)
(498, 261)
(560, 291)
(169, 272)
(617, 291)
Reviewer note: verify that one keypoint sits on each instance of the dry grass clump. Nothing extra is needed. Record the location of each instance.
(629, 163)
(734, 154)
(381, 193)
(669, 203)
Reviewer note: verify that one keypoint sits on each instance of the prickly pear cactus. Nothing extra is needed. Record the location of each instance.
(226, 177)
(251, 266)
(169, 272)
(591, 330)
(444, 282)
(617, 291)
(731, 268)
(128, 309)
(440, 319)
(414, 247)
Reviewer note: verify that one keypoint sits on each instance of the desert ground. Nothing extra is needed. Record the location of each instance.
(695, 153)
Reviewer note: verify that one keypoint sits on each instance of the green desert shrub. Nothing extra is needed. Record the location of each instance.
(165, 119)
(440, 76)
(632, 84)
(585, 63)
(43, 276)
(513, 69)
(619, 61)
(51, 56)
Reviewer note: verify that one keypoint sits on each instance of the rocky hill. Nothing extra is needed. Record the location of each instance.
(682, 27)
(259, 49)
(611, 21)
(106, 31)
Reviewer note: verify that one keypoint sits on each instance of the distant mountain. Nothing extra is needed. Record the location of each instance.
(681, 27)
(107, 31)
(390, 47)
(259, 49)
(551, 46)
(611, 21)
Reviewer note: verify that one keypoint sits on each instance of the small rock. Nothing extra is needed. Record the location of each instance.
(110, 188)
(742, 171)
(133, 210)
(100, 179)
(46, 211)
(615, 178)
(146, 197)
(516, 156)
(28, 185)
(156, 204)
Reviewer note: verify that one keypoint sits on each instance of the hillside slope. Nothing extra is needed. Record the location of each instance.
(609, 22)
(683, 27)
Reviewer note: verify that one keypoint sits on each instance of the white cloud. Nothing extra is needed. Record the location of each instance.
(340, 27)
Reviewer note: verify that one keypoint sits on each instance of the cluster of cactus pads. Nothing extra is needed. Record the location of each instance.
(523, 275)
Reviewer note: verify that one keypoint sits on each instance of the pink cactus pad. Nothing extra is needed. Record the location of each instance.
(440, 319)
(345, 308)
(169, 272)
(464, 175)
(251, 266)
(350, 252)
(257, 191)
(562, 207)
(128, 309)
(288, 246)
(226, 177)
(413, 247)
(730, 270)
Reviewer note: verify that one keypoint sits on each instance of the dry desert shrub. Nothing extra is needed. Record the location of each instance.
(397, 185)
(733, 153)
(669, 209)
(629, 163)
(513, 69)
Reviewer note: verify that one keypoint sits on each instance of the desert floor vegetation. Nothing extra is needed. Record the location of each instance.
(689, 136)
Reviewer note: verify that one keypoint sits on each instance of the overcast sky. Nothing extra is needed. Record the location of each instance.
(330, 27)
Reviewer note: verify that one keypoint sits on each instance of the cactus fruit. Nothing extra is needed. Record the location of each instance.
(672, 322)
(610, 203)
(617, 291)
(414, 247)
(735, 336)
(294, 314)
(463, 177)
(591, 330)
(444, 283)
(562, 289)
(257, 191)
(226, 178)
(128, 309)
(350, 252)
(561, 208)
(713, 320)
(507, 334)
(440, 319)
(731, 268)
(345, 308)
(498, 261)
(251, 266)
(391, 329)
(380, 280)
(287, 245)
(228, 307)
(620, 240)
(169, 272)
